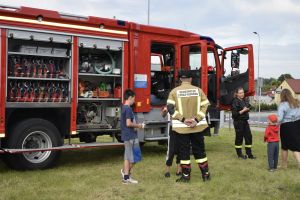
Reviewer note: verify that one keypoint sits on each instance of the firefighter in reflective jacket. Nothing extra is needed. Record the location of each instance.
(187, 105)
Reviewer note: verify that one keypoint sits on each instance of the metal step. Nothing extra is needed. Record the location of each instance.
(64, 147)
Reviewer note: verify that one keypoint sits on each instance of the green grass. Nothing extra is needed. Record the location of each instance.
(95, 174)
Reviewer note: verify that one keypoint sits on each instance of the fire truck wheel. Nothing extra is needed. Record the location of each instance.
(33, 133)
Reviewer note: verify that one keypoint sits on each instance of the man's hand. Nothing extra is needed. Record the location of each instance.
(164, 111)
(140, 125)
(194, 123)
(245, 109)
(187, 122)
(190, 122)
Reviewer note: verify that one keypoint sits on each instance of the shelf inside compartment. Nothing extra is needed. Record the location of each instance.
(37, 104)
(99, 75)
(38, 79)
(38, 54)
(98, 99)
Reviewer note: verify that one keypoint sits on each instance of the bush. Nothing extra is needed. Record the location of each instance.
(265, 107)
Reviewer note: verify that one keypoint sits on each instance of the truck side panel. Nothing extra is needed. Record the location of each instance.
(3, 82)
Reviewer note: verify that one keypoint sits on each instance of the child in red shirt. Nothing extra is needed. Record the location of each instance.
(271, 136)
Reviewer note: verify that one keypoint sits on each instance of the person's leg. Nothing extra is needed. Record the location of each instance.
(176, 152)
(170, 153)
(128, 162)
(271, 151)
(284, 157)
(271, 155)
(248, 140)
(126, 168)
(183, 140)
(198, 146)
(276, 154)
(297, 156)
(238, 139)
(216, 128)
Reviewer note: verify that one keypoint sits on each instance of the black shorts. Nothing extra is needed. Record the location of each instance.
(290, 136)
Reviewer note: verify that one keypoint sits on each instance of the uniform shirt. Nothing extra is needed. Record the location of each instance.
(287, 114)
(238, 105)
(189, 102)
(271, 133)
(127, 133)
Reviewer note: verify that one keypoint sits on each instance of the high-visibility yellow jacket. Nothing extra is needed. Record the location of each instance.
(189, 102)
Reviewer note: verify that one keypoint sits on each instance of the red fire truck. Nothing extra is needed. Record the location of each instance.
(63, 76)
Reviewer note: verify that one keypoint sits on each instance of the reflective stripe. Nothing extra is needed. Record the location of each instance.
(2, 135)
(248, 146)
(179, 105)
(204, 102)
(170, 101)
(202, 160)
(179, 124)
(185, 162)
(201, 114)
(238, 147)
(175, 113)
(198, 104)
(63, 25)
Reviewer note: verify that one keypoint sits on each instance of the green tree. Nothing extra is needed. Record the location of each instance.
(282, 77)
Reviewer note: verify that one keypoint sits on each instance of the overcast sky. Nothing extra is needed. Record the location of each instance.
(228, 22)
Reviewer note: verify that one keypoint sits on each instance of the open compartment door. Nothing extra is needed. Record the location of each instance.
(237, 71)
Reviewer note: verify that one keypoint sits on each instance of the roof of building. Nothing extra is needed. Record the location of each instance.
(294, 84)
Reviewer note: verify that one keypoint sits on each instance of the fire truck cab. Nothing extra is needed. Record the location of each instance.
(63, 76)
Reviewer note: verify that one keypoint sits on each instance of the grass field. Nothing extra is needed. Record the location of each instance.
(95, 174)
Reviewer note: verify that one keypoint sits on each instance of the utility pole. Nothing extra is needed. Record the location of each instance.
(148, 12)
(259, 82)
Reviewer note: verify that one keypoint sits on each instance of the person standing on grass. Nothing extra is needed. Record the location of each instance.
(289, 119)
(132, 153)
(172, 148)
(240, 114)
(187, 105)
(272, 137)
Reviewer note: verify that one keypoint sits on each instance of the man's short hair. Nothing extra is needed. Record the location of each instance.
(128, 93)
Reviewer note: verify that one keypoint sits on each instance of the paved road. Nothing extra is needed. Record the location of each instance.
(255, 117)
(258, 121)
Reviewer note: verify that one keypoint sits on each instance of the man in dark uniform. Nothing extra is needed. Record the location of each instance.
(187, 105)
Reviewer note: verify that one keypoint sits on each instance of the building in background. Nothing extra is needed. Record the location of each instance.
(292, 84)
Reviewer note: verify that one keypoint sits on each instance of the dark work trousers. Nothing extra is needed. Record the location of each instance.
(196, 140)
(173, 148)
(242, 130)
(273, 151)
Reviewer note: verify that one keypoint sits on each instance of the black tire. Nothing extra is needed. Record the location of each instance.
(26, 133)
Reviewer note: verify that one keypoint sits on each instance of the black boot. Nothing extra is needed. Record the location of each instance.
(204, 170)
(186, 174)
(206, 177)
(249, 153)
(240, 154)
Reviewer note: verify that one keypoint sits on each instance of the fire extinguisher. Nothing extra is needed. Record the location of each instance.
(18, 67)
(13, 91)
(36, 91)
(118, 91)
